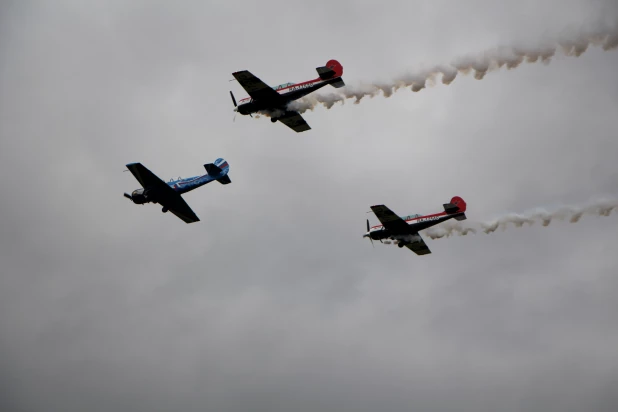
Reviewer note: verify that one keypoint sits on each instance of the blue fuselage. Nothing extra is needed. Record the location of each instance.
(186, 185)
(155, 190)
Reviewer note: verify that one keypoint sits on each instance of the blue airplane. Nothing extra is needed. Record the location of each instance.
(169, 194)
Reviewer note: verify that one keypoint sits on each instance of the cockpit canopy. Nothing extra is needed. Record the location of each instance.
(137, 192)
(282, 86)
(413, 216)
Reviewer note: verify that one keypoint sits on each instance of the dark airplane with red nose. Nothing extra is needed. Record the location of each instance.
(405, 229)
(274, 100)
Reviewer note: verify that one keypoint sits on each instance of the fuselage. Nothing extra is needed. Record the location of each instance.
(180, 186)
(146, 195)
(186, 185)
(289, 92)
(415, 222)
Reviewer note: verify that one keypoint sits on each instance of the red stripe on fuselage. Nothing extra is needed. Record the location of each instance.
(416, 218)
(294, 85)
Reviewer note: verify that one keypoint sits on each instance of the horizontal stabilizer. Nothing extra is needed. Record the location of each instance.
(456, 205)
(325, 72)
(224, 180)
(212, 169)
(337, 84)
(460, 217)
(450, 208)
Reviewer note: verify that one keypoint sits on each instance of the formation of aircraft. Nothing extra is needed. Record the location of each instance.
(155, 190)
(274, 100)
(405, 229)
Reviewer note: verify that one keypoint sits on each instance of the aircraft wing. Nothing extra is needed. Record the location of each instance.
(390, 220)
(256, 88)
(180, 208)
(144, 176)
(294, 121)
(420, 248)
(166, 196)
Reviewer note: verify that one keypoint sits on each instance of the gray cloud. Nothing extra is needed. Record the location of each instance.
(274, 301)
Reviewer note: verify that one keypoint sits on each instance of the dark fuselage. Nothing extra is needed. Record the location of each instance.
(421, 223)
(288, 94)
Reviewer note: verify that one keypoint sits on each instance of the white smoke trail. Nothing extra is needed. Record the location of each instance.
(510, 57)
(600, 207)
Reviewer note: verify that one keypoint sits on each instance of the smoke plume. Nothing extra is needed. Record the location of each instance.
(572, 214)
(491, 60)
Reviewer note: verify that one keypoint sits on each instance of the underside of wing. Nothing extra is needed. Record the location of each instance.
(294, 121)
(144, 176)
(181, 209)
(390, 220)
(165, 195)
(420, 247)
(257, 89)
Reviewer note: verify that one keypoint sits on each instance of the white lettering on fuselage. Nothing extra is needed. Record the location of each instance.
(428, 219)
(300, 87)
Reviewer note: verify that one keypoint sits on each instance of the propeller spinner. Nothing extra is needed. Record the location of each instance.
(236, 105)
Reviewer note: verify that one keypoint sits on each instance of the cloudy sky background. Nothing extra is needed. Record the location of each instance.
(274, 302)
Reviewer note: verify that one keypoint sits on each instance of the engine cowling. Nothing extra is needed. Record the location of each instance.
(139, 197)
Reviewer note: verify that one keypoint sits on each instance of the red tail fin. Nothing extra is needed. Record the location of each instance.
(336, 66)
(460, 203)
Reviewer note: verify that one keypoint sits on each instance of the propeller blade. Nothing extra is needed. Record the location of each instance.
(233, 99)
(368, 234)
(128, 196)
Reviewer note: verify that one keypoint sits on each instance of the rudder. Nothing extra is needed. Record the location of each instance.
(456, 206)
(336, 67)
(219, 167)
(333, 70)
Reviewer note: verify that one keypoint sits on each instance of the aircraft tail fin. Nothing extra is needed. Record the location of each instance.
(219, 167)
(332, 70)
(456, 206)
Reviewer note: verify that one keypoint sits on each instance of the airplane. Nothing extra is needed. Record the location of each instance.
(274, 100)
(169, 194)
(405, 229)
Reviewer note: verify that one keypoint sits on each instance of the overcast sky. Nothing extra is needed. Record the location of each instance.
(274, 302)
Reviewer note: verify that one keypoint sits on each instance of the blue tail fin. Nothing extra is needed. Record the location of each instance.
(219, 168)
